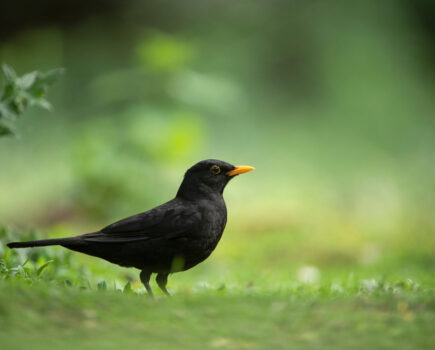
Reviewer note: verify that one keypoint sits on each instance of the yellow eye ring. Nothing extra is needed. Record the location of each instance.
(215, 169)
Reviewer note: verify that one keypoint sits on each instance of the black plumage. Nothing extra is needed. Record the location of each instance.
(172, 237)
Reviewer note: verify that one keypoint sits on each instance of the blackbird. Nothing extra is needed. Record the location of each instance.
(172, 237)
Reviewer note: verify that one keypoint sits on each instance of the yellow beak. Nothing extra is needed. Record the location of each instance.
(240, 170)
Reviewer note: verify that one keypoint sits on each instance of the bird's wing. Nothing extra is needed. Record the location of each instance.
(169, 221)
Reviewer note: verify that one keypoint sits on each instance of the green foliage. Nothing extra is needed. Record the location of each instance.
(32, 265)
(163, 53)
(145, 142)
(18, 93)
(21, 271)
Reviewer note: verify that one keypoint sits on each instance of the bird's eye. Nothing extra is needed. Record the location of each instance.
(215, 169)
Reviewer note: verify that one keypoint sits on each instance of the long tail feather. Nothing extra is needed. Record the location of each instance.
(40, 243)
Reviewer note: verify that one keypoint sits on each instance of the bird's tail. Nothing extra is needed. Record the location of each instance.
(39, 243)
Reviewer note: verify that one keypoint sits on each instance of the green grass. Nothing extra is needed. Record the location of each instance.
(274, 289)
(45, 316)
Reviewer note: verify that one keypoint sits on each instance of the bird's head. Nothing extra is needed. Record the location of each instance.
(209, 177)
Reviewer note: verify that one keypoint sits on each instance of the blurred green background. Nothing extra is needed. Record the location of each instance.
(332, 101)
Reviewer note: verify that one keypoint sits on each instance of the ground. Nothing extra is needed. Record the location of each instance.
(361, 315)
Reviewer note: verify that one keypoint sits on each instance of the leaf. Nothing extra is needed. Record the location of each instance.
(21, 92)
(41, 102)
(221, 288)
(127, 288)
(43, 81)
(102, 285)
(21, 271)
(42, 267)
(9, 73)
(52, 76)
(5, 131)
(6, 128)
(6, 113)
(27, 80)
(9, 92)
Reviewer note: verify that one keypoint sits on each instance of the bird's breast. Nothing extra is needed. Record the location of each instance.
(213, 225)
(208, 234)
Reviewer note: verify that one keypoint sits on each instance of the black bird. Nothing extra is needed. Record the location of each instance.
(172, 237)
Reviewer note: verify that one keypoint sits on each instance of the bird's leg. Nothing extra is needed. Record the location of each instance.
(162, 280)
(145, 278)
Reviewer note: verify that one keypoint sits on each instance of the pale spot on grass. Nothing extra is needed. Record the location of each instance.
(220, 342)
(370, 285)
(309, 274)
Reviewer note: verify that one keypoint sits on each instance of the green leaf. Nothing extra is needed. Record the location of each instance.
(51, 76)
(21, 92)
(42, 267)
(9, 73)
(102, 285)
(5, 128)
(6, 113)
(21, 271)
(127, 288)
(41, 102)
(27, 80)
